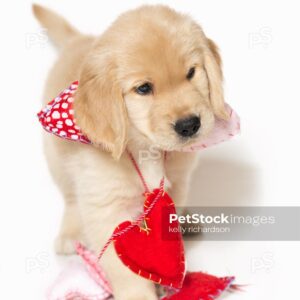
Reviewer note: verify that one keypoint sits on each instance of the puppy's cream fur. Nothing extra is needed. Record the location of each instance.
(99, 184)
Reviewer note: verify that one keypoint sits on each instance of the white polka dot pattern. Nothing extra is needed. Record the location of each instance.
(57, 116)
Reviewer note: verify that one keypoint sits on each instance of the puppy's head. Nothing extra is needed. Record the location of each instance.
(152, 76)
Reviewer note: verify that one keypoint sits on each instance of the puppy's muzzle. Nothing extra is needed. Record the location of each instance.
(187, 127)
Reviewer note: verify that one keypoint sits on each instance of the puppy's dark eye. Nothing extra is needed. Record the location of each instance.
(190, 73)
(145, 89)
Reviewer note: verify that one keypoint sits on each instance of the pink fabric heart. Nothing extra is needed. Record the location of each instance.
(75, 282)
(81, 281)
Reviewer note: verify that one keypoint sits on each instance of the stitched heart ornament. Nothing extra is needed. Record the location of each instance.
(149, 251)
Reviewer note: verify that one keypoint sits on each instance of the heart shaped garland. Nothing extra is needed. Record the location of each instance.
(135, 244)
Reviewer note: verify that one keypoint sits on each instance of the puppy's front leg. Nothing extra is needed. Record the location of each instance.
(99, 223)
(180, 166)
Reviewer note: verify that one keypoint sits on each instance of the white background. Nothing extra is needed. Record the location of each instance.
(260, 46)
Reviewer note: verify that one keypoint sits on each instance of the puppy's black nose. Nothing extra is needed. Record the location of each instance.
(188, 126)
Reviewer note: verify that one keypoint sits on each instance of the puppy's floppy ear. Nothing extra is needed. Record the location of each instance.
(213, 67)
(99, 106)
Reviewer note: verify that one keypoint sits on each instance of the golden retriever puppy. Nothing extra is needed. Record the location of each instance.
(151, 83)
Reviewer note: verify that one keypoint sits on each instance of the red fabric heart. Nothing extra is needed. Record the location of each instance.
(153, 253)
(201, 286)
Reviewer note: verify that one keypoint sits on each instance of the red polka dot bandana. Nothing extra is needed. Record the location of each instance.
(58, 118)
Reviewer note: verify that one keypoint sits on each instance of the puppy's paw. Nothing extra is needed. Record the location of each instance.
(64, 245)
